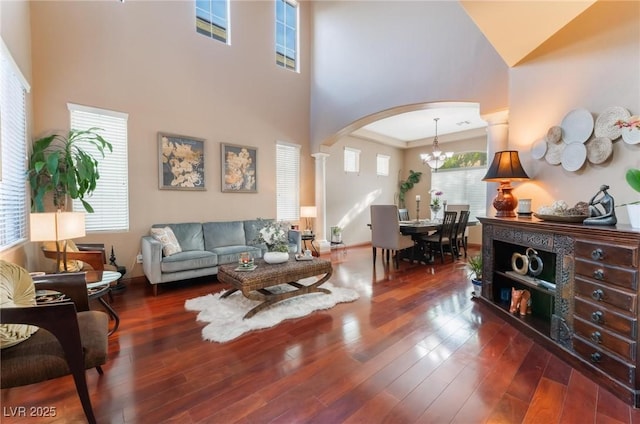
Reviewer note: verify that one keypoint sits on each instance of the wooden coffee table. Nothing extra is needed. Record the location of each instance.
(254, 284)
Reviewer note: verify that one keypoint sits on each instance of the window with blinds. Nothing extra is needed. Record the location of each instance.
(351, 160)
(212, 19)
(463, 184)
(287, 34)
(13, 152)
(287, 181)
(110, 199)
(382, 165)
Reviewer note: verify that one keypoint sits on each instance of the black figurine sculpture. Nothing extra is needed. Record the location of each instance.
(602, 208)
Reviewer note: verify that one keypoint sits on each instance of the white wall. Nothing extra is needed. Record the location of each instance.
(369, 56)
(146, 59)
(592, 63)
(349, 195)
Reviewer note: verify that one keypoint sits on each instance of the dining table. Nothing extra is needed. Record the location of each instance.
(417, 229)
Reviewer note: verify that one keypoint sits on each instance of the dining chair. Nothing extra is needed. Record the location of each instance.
(444, 237)
(385, 232)
(403, 214)
(459, 239)
(459, 207)
(42, 342)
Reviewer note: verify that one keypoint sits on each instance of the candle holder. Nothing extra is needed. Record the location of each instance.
(417, 210)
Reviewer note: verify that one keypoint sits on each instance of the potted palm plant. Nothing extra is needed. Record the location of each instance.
(59, 165)
(474, 268)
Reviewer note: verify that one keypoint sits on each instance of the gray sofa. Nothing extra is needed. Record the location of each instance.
(204, 246)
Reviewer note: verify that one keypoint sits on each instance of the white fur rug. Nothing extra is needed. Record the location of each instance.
(225, 315)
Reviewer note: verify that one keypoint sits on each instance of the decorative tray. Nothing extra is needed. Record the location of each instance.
(561, 218)
(246, 268)
(304, 258)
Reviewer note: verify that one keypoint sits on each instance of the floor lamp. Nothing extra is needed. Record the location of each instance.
(57, 226)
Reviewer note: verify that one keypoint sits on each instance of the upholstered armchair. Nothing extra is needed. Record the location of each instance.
(42, 342)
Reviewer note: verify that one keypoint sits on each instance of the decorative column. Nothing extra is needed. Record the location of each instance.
(324, 245)
(497, 140)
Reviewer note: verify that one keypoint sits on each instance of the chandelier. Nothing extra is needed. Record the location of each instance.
(436, 158)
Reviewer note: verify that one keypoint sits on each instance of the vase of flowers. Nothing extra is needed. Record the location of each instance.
(275, 235)
(436, 203)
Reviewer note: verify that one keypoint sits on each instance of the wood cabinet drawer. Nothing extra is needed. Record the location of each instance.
(600, 314)
(609, 363)
(600, 293)
(623, 277)
(602, 337)
(607, 253)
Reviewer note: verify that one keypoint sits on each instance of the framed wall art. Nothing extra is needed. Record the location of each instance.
(238, 169)
(181, 162)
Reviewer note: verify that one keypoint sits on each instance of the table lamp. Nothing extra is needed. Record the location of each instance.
(505, 168)
(308, 212)
(57, 226)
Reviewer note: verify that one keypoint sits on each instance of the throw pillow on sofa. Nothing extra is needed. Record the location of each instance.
(170, 245)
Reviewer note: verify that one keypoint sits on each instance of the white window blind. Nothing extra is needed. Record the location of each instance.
(13, 152)
(287, 181)
(110, 199)
(287, 34)
(463, 185)
(212, 19)
(351, 160)
(382, 165)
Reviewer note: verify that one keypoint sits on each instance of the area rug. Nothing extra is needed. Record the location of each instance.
(225, 315)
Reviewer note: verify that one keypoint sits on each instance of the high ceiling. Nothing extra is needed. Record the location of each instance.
(515, 29)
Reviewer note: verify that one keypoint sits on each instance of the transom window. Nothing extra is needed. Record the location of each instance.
(212, 19)
(382, 165)
(287, 34)
(351, 160)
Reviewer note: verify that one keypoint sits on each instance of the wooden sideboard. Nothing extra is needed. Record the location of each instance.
(584, 302)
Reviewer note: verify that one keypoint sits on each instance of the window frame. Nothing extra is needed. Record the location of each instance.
(283, 60)
(113, 186)
(14, 196)
(215, 30)
(288, 192)
(382, 165)
(351, 160)
(476, 189)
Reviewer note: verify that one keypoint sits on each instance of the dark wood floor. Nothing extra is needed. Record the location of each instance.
(414, 348)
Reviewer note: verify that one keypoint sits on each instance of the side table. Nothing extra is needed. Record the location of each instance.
(95, 290)
(310, 238)
(99, 289)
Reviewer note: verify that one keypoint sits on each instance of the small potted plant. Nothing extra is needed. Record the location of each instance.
(336, 234)
(474, 268)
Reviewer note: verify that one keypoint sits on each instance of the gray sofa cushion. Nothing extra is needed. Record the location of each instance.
(189, 235)
(185, 261)
(231, 254)
(218, 234)
(252, 228)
